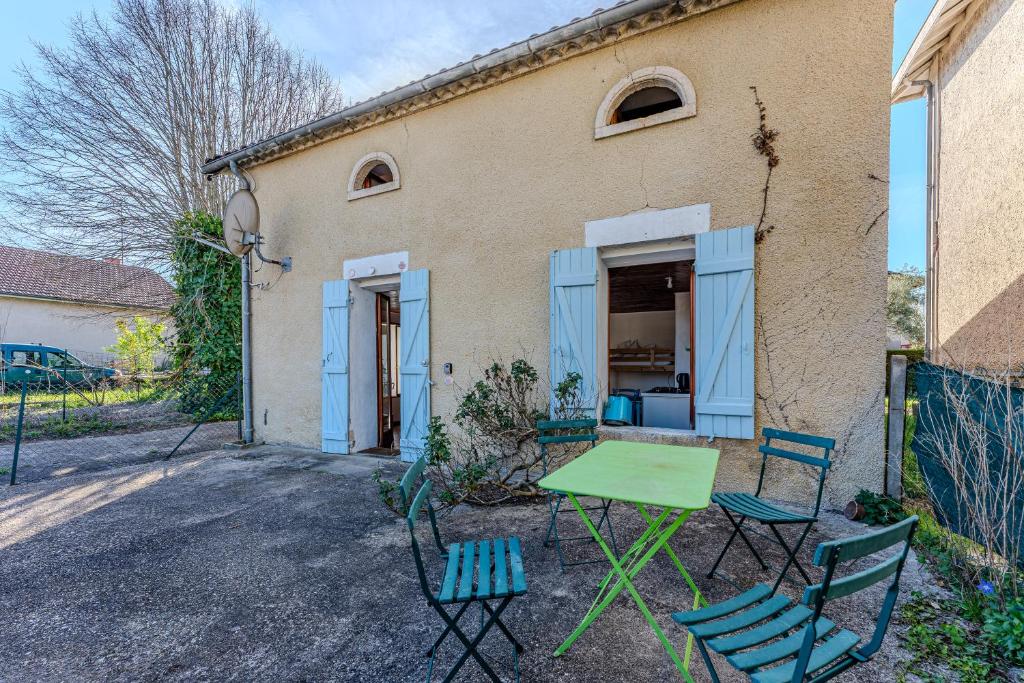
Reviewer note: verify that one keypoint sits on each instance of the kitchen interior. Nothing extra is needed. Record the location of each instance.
(650, 339)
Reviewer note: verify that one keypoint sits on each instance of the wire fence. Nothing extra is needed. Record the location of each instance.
(65, 413)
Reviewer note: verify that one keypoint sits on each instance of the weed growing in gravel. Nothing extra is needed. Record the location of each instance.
(940, 632)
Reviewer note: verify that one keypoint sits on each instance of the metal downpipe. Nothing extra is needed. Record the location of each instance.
(247, 422)
(931, 286)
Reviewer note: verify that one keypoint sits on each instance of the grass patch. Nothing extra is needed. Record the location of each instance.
(56, 428)
(85, 398)
(940, 633)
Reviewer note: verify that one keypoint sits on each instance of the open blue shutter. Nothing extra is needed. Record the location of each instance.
(724, 322)
(414, 361)
(334, 369)
(574, 319)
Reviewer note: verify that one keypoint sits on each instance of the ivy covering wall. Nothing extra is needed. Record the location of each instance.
(207, 313)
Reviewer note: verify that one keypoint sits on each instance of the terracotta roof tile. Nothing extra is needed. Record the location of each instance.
(41, 274)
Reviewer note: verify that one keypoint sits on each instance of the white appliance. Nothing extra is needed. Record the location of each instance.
(670, 411)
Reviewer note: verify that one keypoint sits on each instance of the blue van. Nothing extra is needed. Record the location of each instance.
(52, 364)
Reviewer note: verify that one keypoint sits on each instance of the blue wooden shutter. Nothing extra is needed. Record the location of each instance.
(414, 361)
(724, 322)
(334, 369)
(574, 319)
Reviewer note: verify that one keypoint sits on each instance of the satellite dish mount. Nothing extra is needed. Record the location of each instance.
(242, 224)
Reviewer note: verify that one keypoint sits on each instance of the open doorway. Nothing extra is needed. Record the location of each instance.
(650, 345)
(388, 327)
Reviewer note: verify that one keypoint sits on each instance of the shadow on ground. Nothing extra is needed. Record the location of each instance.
(282, 565)
(55, 458)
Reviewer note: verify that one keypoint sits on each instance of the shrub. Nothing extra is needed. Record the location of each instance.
(488, 454)
(138, 345)
(880, 510)
(208, 349)
(1004, 628)
(387, 491)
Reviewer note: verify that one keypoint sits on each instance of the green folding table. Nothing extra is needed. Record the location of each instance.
(674, 478)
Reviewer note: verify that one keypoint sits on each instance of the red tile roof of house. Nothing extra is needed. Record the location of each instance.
(43, 275)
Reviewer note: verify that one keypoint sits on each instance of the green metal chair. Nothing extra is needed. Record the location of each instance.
(475, 571)
(751, 506)
(771, 640)
(570, 431)
(412, 479)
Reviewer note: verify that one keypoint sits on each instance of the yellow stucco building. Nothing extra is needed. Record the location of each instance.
(967, 61)
(591, 196)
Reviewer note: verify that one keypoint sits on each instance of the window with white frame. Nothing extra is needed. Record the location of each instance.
(375, 173)
(647, 97)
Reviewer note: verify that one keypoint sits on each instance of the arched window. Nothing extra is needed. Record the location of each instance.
(373, 174)
(645, 98)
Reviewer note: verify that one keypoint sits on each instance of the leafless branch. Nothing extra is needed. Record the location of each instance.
(102, 142)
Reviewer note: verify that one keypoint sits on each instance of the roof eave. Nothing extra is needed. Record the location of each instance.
(943, 20)
(536, 48)
(86, 302)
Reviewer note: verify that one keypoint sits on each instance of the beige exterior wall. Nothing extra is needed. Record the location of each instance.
(79, 329)
(980, 266)
(494, 181)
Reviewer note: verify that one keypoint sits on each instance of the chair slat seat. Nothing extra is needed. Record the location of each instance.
(481, 571)
(766, 637)
(451, 574)
(484, 577)
(741, 620)
(779, 625)
(515, 560)
(466, 578)
(721, 609)
(757, 509)
(828, 651)
(475, 572)
(500, 570)
(780, 649)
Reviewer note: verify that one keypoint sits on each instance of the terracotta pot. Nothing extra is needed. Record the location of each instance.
(854, 511)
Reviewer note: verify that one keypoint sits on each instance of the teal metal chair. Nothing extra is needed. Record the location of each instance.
(771, 640)
(562, 432)
(475, 572)
(413, 478)
(740, 507)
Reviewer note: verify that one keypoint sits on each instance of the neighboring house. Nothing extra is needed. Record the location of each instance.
(969, 64)
(74, 303)
(584, 195)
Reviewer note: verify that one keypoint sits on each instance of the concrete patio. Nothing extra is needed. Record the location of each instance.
(281, 564)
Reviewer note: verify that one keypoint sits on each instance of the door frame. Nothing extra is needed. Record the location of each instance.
(641, 253)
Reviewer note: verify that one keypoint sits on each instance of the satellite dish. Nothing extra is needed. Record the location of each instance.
(241, 219)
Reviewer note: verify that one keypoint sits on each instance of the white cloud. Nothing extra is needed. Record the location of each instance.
(376, 46)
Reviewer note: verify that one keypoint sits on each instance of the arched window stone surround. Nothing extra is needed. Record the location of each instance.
(654, 76)
(363, 168)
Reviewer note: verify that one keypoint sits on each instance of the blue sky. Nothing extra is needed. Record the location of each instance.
(423, 36)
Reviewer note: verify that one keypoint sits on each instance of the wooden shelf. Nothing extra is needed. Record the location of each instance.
(654, 360)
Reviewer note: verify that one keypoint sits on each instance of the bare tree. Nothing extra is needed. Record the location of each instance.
(102, 143)
(904, 304)
(971, 433)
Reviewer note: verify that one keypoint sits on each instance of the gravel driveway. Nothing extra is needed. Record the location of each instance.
(281, 565)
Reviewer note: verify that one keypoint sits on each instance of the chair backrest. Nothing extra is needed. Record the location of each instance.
(771, 447)
(564, 431)
(412, 477)
(411, 518)
(831, 553)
